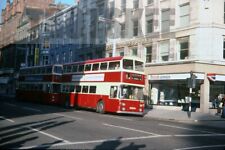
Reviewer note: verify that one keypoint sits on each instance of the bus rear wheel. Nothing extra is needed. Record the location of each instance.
(100, 107)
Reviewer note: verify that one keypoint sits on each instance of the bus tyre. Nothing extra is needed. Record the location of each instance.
(100, 107)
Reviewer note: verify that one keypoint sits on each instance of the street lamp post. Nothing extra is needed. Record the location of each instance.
(110, 21)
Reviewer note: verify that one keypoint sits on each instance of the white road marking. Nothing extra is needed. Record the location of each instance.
(178, 127)
(94, 141)
(200, 147)
(66, 116)
(13, 105)
(116, 117)
(141, 131)
(32, 109)
(195, 135)
(10, 120)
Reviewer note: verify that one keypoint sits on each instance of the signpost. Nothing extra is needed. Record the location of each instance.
(191, 84)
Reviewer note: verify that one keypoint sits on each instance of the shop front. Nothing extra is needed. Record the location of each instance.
(172, 90)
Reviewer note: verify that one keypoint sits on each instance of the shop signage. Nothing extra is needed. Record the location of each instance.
(182, 76)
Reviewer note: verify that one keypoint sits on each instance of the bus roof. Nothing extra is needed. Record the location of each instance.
(118, 58)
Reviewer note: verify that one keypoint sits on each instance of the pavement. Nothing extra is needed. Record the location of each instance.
(212, 120)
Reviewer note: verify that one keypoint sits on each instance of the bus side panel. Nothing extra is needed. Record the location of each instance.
(111, 105)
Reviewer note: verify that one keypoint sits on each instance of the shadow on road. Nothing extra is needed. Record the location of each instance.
(114, 144)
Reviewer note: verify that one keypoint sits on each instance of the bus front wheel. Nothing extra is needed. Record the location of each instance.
(100, 107)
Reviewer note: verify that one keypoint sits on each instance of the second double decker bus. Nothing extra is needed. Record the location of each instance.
(40, 84)
(112, 84)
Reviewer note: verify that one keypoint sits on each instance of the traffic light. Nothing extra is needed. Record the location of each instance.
(191, 82)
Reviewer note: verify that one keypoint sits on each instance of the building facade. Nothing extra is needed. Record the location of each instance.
(174, 37)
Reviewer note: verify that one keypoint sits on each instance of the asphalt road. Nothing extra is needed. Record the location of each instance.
(27, 125)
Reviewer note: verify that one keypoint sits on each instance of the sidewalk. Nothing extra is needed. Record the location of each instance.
(182, 116)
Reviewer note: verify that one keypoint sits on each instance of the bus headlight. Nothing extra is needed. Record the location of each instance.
(140, 110)
(123, 109)
(123, 104)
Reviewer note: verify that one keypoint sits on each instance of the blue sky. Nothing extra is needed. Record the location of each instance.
(3, 2)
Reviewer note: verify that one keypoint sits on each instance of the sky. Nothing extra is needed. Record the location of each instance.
(3, 3)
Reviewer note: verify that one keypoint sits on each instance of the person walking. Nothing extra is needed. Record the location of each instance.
(223, 108)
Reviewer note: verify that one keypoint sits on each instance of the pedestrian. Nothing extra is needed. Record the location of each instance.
(223, 108)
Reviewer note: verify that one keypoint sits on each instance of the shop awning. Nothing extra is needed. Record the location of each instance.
(178, 76)
(215, 77)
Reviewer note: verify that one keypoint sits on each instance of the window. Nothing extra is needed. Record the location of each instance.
(164, 51)
(184, 15)
(134, 52)
(121, 53)
(68, 69)
(149, 24)
(95, 67)
(113, 92)
(123, 30)
(123, 6)
(135, 28)
(45, 60)
(148, 54)
(150, 1)
(78, 88)
(165, 20)
(111, 9)
(74, 68)
(184, 48)
(88, 67)
(92, 89)
(224, 49)
(71, 88)
(139, 66)
(135, 4)
(224, 12)
(81, 68)
(103, 66)
(114, 65)
(128, 64)
(85, 89)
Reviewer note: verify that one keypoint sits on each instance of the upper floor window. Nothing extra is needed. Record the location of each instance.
(184, 48)
(135, 28)
(224, 49)
(164, 51)
(148, 54)
(134, 51)
(123, 30)
(149, 24)
(184, 14)
(123, 5)
(150, 2)
(135, 4)
(165, 20)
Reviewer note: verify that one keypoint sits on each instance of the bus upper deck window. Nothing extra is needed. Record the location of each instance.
(88, 67)
(74, 68)
(139, 66)
(95, 67)
(114, 65)
(103, 66)
(128, 64)
(57, 69)
(81, 68)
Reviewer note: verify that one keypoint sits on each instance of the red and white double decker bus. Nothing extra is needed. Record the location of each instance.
(40, 84)
(112, 84)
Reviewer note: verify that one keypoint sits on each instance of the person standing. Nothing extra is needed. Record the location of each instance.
(223, 108)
